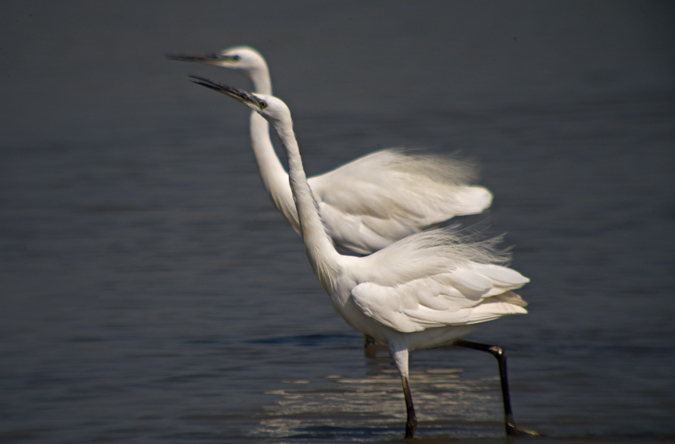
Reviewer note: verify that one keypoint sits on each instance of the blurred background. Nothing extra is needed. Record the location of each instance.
(150, 292)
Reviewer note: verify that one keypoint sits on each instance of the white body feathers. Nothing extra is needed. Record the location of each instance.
(425, 290)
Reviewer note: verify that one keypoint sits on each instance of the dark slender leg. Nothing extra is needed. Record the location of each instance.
(411, 421)
(498, 353)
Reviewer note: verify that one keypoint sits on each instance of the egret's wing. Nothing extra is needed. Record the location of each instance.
(377, 199)
(467, 295)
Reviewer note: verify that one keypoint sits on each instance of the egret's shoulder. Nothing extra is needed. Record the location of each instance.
(429, 253)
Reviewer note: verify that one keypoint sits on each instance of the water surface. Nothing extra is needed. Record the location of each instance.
(151, 293)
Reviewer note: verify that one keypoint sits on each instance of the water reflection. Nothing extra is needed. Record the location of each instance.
(447, 405)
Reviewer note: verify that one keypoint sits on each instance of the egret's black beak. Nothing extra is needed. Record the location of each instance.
(209, 59)
(237, 94)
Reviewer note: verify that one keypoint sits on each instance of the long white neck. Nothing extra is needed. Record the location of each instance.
(272, 173)
(260, 78)
(319, 247)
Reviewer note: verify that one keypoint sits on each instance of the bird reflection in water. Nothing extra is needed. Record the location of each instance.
(341, 406)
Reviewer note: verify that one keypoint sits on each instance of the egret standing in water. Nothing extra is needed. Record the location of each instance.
(372, 201)
(426, 290)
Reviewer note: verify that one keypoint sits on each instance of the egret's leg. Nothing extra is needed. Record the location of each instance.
(400, 355)
(411, 421)
(498, 353)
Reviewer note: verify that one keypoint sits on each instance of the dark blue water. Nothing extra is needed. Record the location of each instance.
(149, 291)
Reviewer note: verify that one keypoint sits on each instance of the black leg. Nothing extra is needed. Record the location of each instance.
(498, 353)
(411, 421)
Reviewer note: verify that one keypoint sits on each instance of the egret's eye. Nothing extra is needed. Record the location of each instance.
(236, 58)
(263, 104)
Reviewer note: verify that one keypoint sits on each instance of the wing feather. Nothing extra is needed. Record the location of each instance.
(469, 294)
(382, 197)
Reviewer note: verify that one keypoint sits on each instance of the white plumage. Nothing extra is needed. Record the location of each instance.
(372, 201)
(426, 290)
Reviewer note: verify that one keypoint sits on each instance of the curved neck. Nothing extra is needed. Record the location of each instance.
(318, 245)
(260, 77)
(272, 173)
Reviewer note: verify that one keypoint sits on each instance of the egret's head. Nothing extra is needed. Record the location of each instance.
(241, 58)
(267, 106)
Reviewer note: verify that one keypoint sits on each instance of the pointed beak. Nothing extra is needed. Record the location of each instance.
(237, 94)
(209, 59)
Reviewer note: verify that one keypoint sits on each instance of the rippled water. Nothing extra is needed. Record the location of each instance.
(149, 292)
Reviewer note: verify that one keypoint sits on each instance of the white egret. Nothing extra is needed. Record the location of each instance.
(426, 290)
(367, 203)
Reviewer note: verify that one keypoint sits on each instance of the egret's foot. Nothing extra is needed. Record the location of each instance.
(512, 430)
